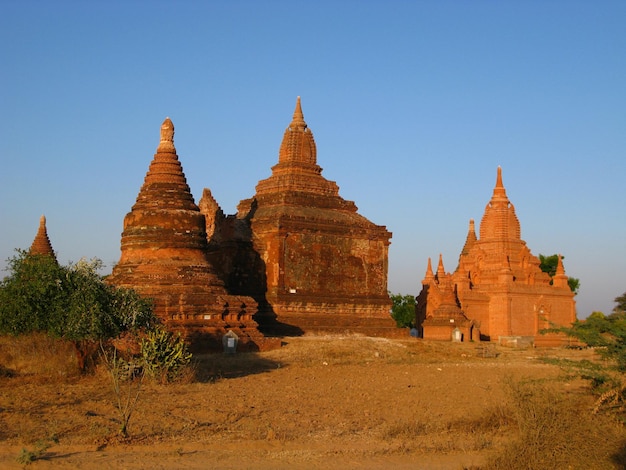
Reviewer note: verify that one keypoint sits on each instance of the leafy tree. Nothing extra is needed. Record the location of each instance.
(70, 302)
(403, 310)
(548, 265)
(621, 304)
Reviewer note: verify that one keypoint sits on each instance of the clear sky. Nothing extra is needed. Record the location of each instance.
(413, 105)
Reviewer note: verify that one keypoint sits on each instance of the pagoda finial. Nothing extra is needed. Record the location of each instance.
(560, 270)
(560, 278)
(429, 276)
(298, 117)
(499, 190)
(499, 178)
(167, 136)
(440, 270)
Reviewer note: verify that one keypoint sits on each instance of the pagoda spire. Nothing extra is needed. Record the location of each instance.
(429, 276)
(440, 270)
(298, 145)
(165, 185)
(298, 117)
(499, 221)
(560, 278)
(41, 244)
(470, 239)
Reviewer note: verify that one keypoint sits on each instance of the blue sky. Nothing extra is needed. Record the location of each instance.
(413, 105)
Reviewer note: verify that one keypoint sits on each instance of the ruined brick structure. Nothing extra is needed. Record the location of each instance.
(164, 257)
(310, 260)
(498, 286)
(41, 244)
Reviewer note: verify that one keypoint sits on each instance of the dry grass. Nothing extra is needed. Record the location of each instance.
(342, 396)
(37, 355)
(557, 431)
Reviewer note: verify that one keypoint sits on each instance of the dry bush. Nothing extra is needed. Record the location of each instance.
(37, 354)
(557, 431)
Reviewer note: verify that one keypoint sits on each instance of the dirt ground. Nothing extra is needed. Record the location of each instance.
(319, 402)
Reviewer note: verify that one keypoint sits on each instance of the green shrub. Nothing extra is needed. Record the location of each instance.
(403, 310)
(164, 354)
(71, 302)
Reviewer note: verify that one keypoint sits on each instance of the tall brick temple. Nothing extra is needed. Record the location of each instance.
(498, 289)
(164, 257)
(306, 255)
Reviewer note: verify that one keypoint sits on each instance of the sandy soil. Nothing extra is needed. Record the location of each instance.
(318, 402)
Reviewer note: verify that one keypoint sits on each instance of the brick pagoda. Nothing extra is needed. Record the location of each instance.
(498, 284)
(41, 244)
(164, 257)
(312, 262)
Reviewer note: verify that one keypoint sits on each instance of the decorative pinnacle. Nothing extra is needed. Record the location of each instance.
(167, 136)
(429, 270)
(560, 270)
(499, 189)
(440, 270)
(298, 117)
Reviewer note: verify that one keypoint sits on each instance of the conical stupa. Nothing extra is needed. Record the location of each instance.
(164, 255)
(41, 244)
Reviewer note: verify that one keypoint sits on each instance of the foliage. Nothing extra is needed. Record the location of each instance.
(607, 334)
(27, 456)
(31, 294)
(164, 354)
(71, 302)
(403, 310)
(548, 265)
(621, 304)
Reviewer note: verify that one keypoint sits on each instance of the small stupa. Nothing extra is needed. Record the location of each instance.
(41, 244)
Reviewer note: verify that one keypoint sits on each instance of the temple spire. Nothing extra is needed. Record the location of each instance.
(499, 190)
(41, 244)
(560, 278)
(440, 270)
(298, 117)
(470, 239)
(429, 276)
(499, 221)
